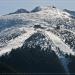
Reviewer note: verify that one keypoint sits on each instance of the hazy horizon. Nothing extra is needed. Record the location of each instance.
(8, 6)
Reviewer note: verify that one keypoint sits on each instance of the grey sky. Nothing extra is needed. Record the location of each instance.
(7, 6)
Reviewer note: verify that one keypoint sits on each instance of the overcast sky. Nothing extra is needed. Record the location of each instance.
(7, 6)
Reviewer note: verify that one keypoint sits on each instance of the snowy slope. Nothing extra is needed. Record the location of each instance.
(17, 42)
(15, 27)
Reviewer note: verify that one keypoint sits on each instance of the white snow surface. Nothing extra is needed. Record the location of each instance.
(17, 42)
(59, 43)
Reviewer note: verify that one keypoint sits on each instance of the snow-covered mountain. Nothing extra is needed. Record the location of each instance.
(46, 27)
(71, 12)
(19, 11)
(37, 9)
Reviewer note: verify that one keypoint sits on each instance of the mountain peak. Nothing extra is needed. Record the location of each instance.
(38, 8)
(20, 11)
